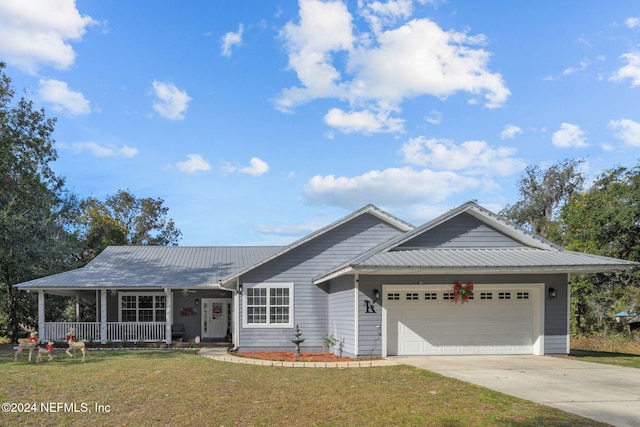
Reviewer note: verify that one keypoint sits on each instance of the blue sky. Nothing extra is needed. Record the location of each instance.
(259, 122)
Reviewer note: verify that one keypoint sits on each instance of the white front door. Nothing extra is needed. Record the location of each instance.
(215, 317)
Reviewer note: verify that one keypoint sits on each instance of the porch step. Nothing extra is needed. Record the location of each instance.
(213, 350)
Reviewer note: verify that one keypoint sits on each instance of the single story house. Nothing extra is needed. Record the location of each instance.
(370, 280)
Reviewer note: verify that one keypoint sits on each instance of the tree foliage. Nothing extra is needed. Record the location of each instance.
(36, 213)
(543, 192)
(124, 219)
(44, 229)
(605, 220)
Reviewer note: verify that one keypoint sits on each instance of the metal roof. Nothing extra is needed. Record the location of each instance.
(499, 260)
(157, 266)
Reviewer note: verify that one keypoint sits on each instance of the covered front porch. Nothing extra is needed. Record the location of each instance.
(142, 315)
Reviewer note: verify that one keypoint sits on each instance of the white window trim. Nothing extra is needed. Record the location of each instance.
(268, 286)
(143, 294)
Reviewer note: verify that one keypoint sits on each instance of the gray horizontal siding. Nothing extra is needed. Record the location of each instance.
(299, 266)
(341, 315)
(462, 231)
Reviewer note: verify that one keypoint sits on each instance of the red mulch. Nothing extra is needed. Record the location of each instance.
(287, 356)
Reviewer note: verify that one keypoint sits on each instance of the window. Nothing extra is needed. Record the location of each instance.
(430, 296)
(147, 307)
(412, 296)
(486, 295)
(393, 296)
(448, 296)
(523, 295)
(268, 305)
(504, 295)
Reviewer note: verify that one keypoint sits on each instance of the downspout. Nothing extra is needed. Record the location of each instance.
(568, 349)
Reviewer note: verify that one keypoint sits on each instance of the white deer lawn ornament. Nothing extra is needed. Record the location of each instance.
(30, 345)
(73, 344)
(45, 351)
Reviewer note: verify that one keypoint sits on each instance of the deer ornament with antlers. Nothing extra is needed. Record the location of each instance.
(30, 345)
(73, 344)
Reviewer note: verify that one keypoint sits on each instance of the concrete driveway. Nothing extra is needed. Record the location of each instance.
(601, 392)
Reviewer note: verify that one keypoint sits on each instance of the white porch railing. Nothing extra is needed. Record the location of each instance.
(116, 331)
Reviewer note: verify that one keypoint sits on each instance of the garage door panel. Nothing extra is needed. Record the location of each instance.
(418, 327)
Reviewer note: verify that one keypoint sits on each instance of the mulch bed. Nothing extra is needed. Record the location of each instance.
(287, 356)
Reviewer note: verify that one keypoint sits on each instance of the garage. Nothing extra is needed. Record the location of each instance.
(498, 319)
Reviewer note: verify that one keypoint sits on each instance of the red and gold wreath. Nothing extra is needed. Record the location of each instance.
(462, 292)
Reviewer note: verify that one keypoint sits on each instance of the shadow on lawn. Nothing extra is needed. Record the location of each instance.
(93, 356)
(602, 354)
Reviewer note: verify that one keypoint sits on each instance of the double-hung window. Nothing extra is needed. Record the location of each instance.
(147, 307)
(268, 305)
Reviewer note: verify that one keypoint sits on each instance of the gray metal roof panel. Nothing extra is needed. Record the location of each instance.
(500, 257)
(494, 260)
(158, 266)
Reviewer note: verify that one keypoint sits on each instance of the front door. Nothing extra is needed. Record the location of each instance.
(215, 317)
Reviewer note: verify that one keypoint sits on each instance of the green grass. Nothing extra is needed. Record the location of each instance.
(607, 357)
(179, 388)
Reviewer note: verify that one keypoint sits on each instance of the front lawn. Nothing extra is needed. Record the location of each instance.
(178, 388)
(613, 350)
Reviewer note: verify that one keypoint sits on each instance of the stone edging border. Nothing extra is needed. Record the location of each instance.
(276, 363)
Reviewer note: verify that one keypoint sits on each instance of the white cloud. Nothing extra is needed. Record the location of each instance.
(426, 61)
(632, 22)
(627, 130)
(631, 70)
(385, 67)
(435, 118)
(324, 27)
(366, 122)
(256, 167)
(37, 32)
(171, 102)
(98, 150)
(389, 187)
(583, 66)
(568, 135)
(474, 157)
(194, 163)
(510, 131)
(290, 229)
(230, 40)
(382, 14)
(64, 100)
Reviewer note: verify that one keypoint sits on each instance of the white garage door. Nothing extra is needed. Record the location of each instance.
(425, 321)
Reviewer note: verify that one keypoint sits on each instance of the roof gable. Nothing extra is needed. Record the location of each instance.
(461, 231)
(468, 226)
(367, 210)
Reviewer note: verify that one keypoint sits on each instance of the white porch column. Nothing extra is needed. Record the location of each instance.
(168, 296)
(41, 331)
(77, 307)
(103, 316)
(236, 315)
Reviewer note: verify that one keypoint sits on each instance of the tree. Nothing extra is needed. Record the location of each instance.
(605, 220)
(124, 219)
(37, 215)
(543, 192)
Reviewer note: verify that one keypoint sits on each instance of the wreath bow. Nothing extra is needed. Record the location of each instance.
(462, 292)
